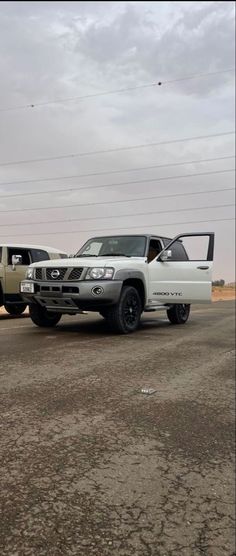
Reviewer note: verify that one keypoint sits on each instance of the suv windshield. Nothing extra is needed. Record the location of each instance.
(128, 246)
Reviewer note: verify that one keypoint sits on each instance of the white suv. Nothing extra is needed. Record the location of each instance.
(120, 277)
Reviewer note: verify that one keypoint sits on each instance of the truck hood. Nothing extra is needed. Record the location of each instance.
(89, 262)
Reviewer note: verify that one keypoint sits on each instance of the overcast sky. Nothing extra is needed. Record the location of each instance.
(57, 50)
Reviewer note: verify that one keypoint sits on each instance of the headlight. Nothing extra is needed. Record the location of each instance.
(30, 273)
(98, 273)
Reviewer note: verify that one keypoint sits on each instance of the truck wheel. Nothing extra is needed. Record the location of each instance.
(42, 317)
(179, 313)
(15, 308)
(124, 317)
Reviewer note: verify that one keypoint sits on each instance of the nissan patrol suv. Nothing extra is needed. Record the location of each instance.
(122, 276)
(14, 260)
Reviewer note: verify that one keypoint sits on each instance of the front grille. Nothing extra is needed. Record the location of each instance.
(51, 274)
(39, 273)
(75, 274)
(58, 274)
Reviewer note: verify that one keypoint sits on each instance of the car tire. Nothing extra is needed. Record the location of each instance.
(15, 309)
(179, 313)
(43, 318)
(124, 317)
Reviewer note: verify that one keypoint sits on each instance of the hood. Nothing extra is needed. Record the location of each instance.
(87, 262)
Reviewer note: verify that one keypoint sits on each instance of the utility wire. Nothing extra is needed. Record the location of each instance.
(126, 170)
(109, 185)
(116, 149)
(115, 216)
(127, 227)
(75, 205)
(114, 91)
(119, 184)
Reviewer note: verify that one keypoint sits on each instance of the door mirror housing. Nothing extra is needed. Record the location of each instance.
(15, 260)
(166, 255)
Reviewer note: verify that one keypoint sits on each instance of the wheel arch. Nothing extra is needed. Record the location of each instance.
(136, 280)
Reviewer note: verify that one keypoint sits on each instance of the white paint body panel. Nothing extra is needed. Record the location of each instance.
(166, 282)
(180, 282)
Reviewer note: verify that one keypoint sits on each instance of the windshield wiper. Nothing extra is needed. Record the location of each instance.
(114, 255)
(85, 255)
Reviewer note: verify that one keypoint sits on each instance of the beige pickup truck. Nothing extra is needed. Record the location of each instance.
(14, 260)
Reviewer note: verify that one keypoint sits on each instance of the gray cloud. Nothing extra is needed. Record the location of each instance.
(54, 50)
(199, 40)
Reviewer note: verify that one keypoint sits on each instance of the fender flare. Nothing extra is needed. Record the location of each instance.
(130, 274)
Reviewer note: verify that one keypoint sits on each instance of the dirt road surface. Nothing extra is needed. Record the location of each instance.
(90, 465)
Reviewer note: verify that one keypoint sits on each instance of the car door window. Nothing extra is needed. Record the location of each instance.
(24, 253)
(178, 251)
(155, 248)
(191, 247)
(195, 246)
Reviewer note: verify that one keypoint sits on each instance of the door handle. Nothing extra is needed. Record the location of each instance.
(203, 267)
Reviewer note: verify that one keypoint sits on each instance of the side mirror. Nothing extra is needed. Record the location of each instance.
(15, 260)
(166, 255)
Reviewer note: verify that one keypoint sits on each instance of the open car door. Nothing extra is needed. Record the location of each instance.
(186, 278)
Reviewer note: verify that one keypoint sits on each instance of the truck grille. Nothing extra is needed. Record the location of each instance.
(55, 274)
(75, 274)
(58, 274)
(38, 274)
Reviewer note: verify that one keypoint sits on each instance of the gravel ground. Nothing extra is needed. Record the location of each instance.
(90, 465)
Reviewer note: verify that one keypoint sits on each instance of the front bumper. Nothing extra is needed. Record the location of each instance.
(68, 297)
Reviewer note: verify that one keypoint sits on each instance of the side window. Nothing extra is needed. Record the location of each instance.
(62, 256)
(178, 252)
(39, 255)
(19, 251)
(0, 254)
(196, 247)
(192, 247)
(154, 249)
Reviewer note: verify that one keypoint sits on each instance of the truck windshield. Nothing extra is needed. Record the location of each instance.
(128, 246)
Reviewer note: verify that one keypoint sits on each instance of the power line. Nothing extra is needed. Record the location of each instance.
(115, 216)
(116, 149)
(75, 205)
(128, 227)
(114, 91)
(126, 170)
(134, 182)
(119, 184)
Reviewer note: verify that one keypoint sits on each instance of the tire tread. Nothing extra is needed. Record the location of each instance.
(114, 314)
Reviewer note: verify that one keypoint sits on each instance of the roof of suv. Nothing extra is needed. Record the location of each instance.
(132, 235)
